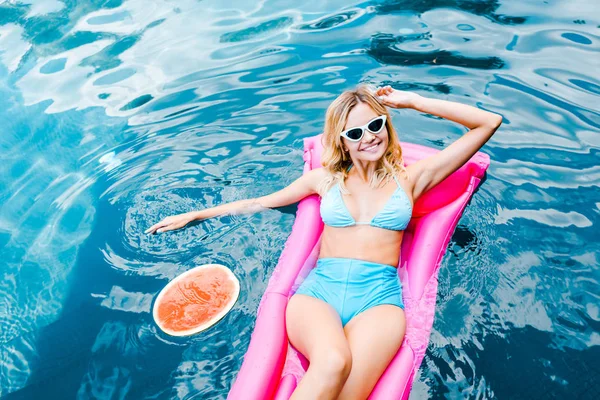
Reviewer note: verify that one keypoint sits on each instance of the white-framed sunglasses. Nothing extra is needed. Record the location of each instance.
(374, 126)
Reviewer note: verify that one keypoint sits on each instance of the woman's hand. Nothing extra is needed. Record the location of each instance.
(397, 98)
(171, 223)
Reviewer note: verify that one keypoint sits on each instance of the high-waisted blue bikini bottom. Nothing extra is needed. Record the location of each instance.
(352, 286)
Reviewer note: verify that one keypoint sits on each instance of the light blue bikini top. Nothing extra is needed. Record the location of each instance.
(395, 214)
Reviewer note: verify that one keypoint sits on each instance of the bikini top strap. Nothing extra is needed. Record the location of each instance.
(348, 169)
(397, 183)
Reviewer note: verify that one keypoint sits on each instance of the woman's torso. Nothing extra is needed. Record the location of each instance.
(364, 241)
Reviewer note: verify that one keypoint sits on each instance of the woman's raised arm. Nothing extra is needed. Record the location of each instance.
(294, 192)
(427, 173)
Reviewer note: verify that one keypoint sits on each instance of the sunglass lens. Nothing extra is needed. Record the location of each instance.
(376, 125)
(354, 134)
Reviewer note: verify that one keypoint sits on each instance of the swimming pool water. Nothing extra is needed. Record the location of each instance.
(115, 114)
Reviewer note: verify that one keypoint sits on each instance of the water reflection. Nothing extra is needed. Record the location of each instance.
(486, 8)
(387, 49)
(117, 114)
(502, 361)
(332, 21)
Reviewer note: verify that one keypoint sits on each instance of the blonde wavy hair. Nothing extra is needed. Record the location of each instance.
(336, 161)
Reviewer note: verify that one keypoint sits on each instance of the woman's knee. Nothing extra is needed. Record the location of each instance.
(334, 363)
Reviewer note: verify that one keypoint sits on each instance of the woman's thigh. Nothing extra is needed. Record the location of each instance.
(314, 327)
(374, 336)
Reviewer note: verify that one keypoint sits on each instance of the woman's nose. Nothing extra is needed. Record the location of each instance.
(369, 136)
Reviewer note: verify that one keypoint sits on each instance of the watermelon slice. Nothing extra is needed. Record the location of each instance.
(196, 300)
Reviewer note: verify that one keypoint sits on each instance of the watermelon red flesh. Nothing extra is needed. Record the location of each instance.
(196, 299)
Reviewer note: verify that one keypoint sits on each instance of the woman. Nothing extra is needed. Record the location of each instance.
(353, 296)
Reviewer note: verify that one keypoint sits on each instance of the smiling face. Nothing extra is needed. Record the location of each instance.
(372, 146)
(356, 108)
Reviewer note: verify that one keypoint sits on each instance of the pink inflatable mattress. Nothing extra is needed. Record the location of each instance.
(272, 367)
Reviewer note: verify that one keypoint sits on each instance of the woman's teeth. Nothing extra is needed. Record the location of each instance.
(370, 147)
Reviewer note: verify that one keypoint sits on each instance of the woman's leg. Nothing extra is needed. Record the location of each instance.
(374, 335)
(314, 328)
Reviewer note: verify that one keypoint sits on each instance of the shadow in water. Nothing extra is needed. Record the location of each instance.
(484, 8)
(383, 49)
(560, 374)
(416, 86)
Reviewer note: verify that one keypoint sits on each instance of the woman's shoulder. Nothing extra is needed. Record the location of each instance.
(318, 173)
(320, 179)
(316, 176)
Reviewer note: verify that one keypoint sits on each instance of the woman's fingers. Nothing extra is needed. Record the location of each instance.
(383, 93)
(156, 227)
(385, 90)
(162, 227)
(168, 224)
(384, 99)
(166, 229)
(152, 228)
(172, 226)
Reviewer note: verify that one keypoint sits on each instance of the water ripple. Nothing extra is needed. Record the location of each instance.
(333, 21)
(484, 8)
(386, 48)
(118, 114)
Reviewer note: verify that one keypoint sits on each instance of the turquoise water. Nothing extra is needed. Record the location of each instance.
(116, 114)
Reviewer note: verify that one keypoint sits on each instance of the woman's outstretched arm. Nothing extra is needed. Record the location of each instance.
(427, 173)
(296, 191)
